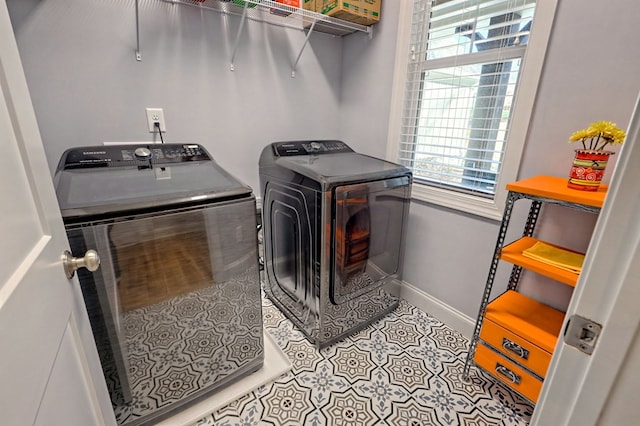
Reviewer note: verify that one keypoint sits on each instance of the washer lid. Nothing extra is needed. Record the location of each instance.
(330, 169)
(108, 185)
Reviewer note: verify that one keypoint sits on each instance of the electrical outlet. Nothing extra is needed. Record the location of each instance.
(155, 115)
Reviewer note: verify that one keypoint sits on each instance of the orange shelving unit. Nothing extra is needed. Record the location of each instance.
(515, 335)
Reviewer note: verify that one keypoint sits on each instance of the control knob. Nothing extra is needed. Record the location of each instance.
(142, 153)
(315, 146)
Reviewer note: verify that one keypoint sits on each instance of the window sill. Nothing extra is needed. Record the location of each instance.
(466, 203)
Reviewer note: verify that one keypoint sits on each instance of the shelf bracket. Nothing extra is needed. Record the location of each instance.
(306, 40)
(138, 55)
(235, 44)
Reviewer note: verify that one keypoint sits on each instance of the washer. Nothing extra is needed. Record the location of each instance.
(175, 306)
(334, 226)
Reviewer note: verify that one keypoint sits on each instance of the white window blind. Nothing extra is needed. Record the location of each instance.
(463, 72)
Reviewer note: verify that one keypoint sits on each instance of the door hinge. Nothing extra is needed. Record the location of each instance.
(582, 333)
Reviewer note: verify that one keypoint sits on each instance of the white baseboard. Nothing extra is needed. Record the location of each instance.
(437, 309)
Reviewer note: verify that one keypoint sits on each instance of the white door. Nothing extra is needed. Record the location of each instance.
(604, 388)
(49, 370)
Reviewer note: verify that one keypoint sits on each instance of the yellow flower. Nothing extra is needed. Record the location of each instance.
(598, 135)
(618, 136)
(579, 135)
(602, 127)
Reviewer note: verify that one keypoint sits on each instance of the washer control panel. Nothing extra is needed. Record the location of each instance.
(133, 155)
(286, 149)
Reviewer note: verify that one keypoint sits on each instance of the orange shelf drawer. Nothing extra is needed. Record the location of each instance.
(508, 373)
(515, 347)
(513, 253)
(540, 323)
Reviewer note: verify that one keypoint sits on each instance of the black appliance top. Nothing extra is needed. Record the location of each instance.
(116, 179)
(328, 162)
(294, 148)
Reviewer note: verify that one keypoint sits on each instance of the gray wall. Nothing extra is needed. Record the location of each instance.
(87, 88)
(367, 72)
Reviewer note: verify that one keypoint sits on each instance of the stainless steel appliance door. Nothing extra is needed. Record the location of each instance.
(367, 235)
(179, 296)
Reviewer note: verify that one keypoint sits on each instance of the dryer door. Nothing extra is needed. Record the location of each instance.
(368, 236)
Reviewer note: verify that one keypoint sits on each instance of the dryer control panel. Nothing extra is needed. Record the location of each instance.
(285, 149)
(133, 155)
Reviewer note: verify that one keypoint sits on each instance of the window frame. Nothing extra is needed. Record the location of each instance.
(523, 104)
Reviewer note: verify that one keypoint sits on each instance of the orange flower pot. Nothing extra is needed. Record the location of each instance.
(588, 169)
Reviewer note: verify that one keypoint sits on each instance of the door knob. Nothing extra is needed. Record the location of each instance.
(91, 261)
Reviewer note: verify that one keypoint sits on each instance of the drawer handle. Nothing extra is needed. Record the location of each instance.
(515, 379)
(515, 348)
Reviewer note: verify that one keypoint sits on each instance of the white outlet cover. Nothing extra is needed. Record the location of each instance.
(155, 115)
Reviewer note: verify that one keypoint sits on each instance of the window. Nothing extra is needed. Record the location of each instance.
(470, 79)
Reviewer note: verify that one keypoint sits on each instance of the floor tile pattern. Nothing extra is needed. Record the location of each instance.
(405, 369)
(189, 344)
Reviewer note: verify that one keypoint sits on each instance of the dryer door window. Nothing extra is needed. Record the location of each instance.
(367, 236)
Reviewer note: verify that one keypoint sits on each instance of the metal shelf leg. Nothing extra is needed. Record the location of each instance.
(508, 209)
(530, 226)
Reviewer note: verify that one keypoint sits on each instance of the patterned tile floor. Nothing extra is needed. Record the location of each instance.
(405, 369)
(173, 352)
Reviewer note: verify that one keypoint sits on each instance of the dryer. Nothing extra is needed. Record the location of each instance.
(334, 225)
